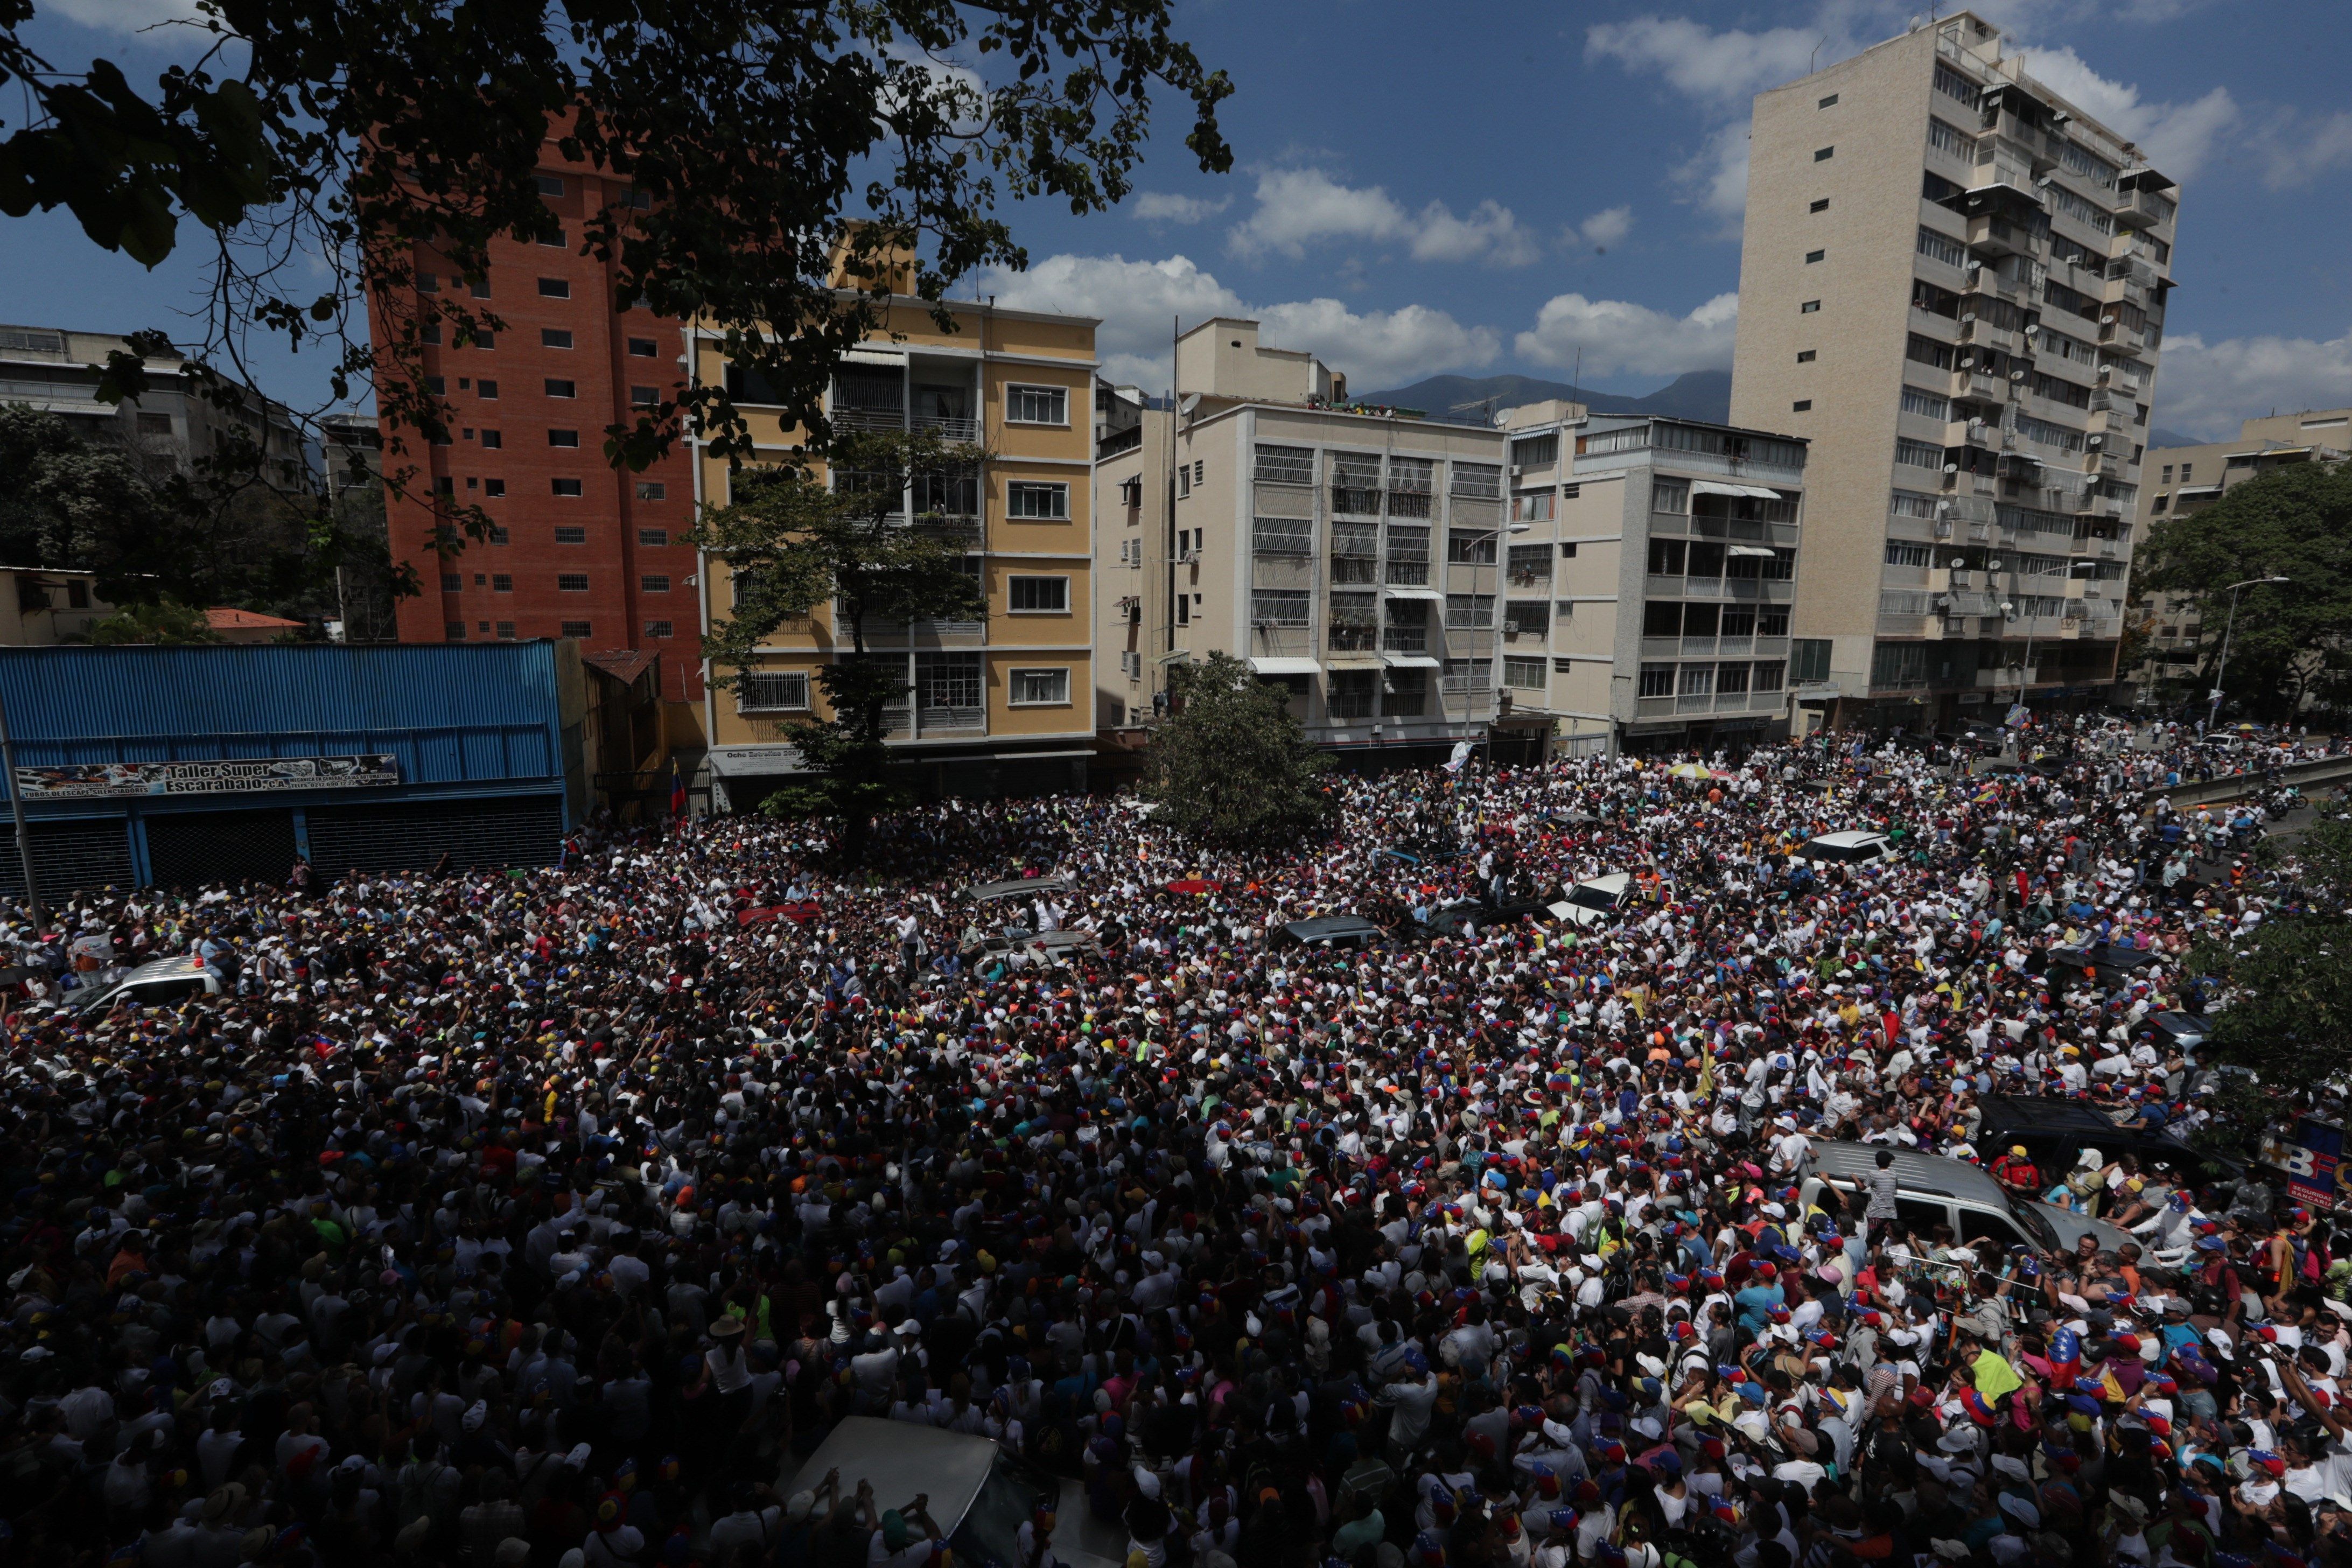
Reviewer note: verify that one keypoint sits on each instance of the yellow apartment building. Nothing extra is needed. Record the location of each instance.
(1000, 706)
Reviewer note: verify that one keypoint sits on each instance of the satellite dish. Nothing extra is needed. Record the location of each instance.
(1188, 402)
(1502, 416)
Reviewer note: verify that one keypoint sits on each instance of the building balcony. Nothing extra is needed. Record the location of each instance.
(1991, 236)
(883, 419)
(954, 429)
(1407, 503)
(1408, 573)
(2141, 208)
(1354, 501)
(1351, 636)
(958, 718)
(1404, 640)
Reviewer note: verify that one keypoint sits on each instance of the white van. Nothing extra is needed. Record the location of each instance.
(166, 983)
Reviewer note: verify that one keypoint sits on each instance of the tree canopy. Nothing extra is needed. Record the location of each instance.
(751, 144)
(2288, 642)
(2287, 1008)
(1231, 762)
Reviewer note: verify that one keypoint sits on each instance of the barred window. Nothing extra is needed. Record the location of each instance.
(1281, 607)
(572, 581)
(773, 690)
(1282, 536)
(1412, 476)
(1526, 617)
(1478, 481)
(1285, 466)
(661, 629)
(653, 583)
(573, 629)
(1469, 611)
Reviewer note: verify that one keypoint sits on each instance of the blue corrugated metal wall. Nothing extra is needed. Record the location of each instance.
(478, 731)
(480, 713)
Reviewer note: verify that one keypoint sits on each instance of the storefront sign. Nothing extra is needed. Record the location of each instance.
(243, 775)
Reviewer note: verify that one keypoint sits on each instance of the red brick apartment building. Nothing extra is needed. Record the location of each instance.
(579, 549)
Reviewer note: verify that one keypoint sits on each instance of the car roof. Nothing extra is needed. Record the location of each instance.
(168, 968)
(2036, 1113)
(901, 1459)
(1917, 1171)
(1848, 838)
(1331, 925)
(981, 892)
(1607, 881)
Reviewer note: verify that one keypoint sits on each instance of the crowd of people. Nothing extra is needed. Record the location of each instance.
(555, 1216)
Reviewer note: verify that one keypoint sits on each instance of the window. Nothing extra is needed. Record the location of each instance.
(483, 339)
(1534, 507)
(497, 534)
(656, 537)
(1662, 618)
(1470, 675)
(554, 289)
(652, 489)
(643, 397)
(563, 437)
(553, 241)
(479, 288)
(1951, 139)
(2186, 473)
(661, 629)
(772, 690)
(1926, 405)
(1477, 481)
(1902, 553)
(506, 631)
(427, 283)
(1657, 680)
(1040, 688)
(1801, 405)
(1769, 675)
(2082, 212)
(643, 348)
(1813, 256)
(1782, 567)
(1039, 595)
(154, 425)
(1183, 480)
(453, 631)
(1534, 450)
(1528, 674)
(1928, 352)
(437, 386)
(1348, 693)
(1730, 679)
(1355, 623)
(571, 630)
(1284, 466)
(1666, 557)
(1952, 84)
(1526, 617)
(1470, 549)
(1471, 612)
(1407, 696)
(550, 184)
(1282, 536)
(1808, 307)
(1530, 564)
(2168, 475)
(485, 387)
(1034, 499)
(1695, 681)
(1738, 621)
(655, 583)
(556, 388)
(554, 337)
(493, 440)
(1568, 551)
(494, 488)
(1281, 608)
(430, 333)
(572, 581)
(501, 582)
(2163, 503)
(1917, 454)
(1772, 621)
(1899, 664)
(1912, 503)
(571, 536)
(1823, 154)
(1038, 405)
(452, 581)
(1940, 247)
(1820, 206)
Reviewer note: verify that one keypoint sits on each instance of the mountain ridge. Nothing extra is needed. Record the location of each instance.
(1693, 395)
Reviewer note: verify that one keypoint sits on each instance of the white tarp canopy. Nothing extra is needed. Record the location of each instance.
(1762, 551)
(1412, 593)
(1716, 488)
(1266, 666)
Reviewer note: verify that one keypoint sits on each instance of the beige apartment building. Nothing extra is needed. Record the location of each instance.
(2186, 479)
(1952, 283)
(997, 706)
(1415, 584)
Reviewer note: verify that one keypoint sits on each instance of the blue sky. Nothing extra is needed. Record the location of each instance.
(1490, 187)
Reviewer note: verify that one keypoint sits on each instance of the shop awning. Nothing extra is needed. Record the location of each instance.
(1761, 551)
(1718, 488)
(1412, 593)
(1283, 665)
(1409, 661)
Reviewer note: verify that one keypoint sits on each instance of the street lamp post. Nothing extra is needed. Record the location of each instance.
(2229, 627)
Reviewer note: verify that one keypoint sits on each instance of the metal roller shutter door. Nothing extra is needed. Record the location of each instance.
(68, 857)
(199, 848)
(527, 832)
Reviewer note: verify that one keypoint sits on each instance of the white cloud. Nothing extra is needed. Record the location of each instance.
(124, 16)
(2296, 150)
(1163, 206)
(1301, 207)
(1379, 347)
(2177, 137)
(2204, 389)
(1617, 337)
(1717, 177)
(1606, 227)
(1726, 69)
(1137, 303)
